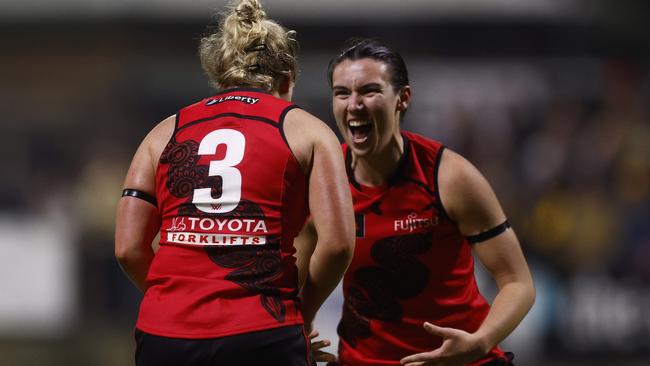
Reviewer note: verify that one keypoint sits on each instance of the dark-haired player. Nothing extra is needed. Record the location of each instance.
(410, 295)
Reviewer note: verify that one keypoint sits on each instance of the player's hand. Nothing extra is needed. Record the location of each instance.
(317, 345)
(458, 348)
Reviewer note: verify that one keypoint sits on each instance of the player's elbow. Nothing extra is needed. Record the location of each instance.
(340, 245)
(531, 294)
(346, 250)
(527, 289)
(346, 241)
(121, 254)
(124, 252)
(519, 287)
(526, 292)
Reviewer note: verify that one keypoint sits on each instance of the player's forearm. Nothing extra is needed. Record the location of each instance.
(326, 268)
(136, 225)
(512, 303)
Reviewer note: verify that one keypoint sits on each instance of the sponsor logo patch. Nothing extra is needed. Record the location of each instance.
(237, 98)
(413, 222)
(214, 239)
(216, 231)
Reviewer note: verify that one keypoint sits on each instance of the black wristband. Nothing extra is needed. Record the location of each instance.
(472, 239)
(140, 194)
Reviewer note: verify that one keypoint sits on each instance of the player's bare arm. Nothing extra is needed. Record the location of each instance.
(330, 204)
(138, 221)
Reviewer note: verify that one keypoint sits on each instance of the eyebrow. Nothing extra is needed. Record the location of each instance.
(362, 87)
(371, 86)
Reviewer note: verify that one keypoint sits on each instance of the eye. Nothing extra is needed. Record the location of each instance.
(339, 93)
(371, 90)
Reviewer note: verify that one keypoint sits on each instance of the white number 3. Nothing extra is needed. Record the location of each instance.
(225, 168)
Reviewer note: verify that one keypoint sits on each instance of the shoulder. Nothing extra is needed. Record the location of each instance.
(299, 120)
(141, 173)
(466, 194)
(456, 170)
(307, 135)
(458, 179)
(165, 128)
(301, 116)
(162, 132)
(154, 143)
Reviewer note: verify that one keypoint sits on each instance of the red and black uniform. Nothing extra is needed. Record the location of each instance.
(232, 197)
(411, 264)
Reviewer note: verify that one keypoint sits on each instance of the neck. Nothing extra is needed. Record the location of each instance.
(375, 169)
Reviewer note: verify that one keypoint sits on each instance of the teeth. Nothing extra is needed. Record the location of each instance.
(358, 123)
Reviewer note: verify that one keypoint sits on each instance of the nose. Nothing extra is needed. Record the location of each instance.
(355, 102)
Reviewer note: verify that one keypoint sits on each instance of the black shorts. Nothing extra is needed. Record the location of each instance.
(287, 346)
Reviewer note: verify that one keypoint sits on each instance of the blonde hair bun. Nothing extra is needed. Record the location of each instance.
(248, 49)
(250, 11)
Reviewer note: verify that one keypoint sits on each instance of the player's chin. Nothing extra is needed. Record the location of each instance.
(360, 151)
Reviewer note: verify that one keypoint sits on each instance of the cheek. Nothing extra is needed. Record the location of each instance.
(386, 122)
(381, 111)
(338, 105)
(338, 110)
(339, 116)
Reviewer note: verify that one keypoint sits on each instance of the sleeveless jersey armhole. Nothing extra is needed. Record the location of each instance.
(436, 172)
(281, 128)
(281, 123)
(171, 138)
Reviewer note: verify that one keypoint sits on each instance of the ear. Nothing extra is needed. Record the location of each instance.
(404, 99)
(285, 87)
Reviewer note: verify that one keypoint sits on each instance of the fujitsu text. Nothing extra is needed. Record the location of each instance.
(413, 222)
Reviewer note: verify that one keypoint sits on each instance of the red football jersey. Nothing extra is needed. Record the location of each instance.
(232, 197)
(410, 265)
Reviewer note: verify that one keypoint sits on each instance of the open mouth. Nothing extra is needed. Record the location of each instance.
(359, 130)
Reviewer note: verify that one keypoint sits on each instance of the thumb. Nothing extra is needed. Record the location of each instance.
(436, 330)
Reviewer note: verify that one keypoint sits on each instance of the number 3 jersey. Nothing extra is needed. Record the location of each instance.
(411, 264)
(232, 197)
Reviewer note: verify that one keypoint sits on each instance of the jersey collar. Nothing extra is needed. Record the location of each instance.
(393, 179)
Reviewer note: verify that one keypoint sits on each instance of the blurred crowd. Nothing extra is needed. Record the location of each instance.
(567, 147)
(566, 144)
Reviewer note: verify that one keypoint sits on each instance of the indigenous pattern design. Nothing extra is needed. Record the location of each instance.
(184, 175)
(399, 276)
(254, 270)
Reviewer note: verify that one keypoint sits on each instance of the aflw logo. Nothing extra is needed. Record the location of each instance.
(413, 222)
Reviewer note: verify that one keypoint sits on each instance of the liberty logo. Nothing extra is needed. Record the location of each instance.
(413, 222)
(239, 98)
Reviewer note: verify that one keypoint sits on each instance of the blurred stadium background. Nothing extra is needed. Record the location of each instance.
(549, 98)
